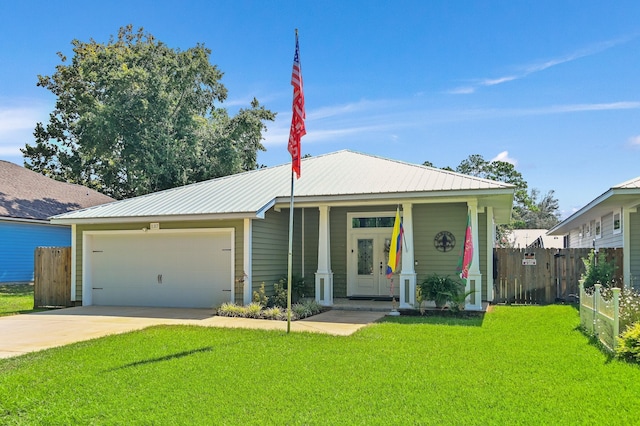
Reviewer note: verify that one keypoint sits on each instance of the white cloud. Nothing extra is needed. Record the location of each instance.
(16, 119)
(464, 90)
(17, 123)
(504, 156)
(634, 141)
(541, 66)
(496, 81)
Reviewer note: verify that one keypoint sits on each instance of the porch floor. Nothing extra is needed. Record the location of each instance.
(346, 304)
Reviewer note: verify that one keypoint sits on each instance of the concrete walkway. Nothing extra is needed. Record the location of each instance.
(20, 334)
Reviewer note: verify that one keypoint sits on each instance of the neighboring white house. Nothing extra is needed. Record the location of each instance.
(528, 238)
(216, 241)
(611, 220)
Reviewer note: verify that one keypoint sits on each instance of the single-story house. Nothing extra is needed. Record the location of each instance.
(611, 220)
(27, 200)
(534, 238)
(215, 241)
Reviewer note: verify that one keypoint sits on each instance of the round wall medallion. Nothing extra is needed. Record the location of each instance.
(444, 241)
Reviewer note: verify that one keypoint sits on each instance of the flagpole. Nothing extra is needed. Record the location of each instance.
(297, 131)
(290, 262)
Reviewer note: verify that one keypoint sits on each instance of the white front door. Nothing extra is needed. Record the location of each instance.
(368, 264)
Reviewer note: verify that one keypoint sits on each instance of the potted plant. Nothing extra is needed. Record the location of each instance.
(441, 289)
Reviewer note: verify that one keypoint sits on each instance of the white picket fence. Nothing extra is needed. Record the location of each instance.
(600, 316)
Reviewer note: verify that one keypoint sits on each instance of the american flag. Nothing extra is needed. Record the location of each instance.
(297, 120)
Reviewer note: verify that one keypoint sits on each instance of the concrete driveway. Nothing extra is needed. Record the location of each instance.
(20, 334)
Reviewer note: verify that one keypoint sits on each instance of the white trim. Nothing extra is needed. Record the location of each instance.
(351, 232)
(491, 237)
(408, 276)
(86, 249)
(247, 261)
(324, 275)
(598, 230)
(74, 247)
(474, 271)
(160, 218)
(613, 223)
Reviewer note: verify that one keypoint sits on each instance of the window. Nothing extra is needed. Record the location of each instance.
(617, 222)
(372, 222)
(587, 231)
(598, 229)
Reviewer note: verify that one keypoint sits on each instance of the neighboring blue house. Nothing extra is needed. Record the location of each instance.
(27, 200)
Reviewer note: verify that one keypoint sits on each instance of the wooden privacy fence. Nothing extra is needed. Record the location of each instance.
(541, 276)
(52, 277)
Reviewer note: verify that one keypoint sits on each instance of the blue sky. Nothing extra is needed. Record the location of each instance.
(552, 86)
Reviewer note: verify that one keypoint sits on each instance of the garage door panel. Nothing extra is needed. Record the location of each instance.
(178, 270)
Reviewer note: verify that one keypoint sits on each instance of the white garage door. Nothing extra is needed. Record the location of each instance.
(192, 270)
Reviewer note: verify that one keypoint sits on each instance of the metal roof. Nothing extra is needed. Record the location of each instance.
(625, 194)
(342, 175)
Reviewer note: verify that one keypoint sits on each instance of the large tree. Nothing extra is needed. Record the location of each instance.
(134, 116)
(501, 171)
(545, 214)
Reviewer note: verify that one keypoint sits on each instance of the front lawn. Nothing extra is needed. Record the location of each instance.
(16, 298)
(517, 365)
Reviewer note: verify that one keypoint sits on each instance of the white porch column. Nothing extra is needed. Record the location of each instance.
(324, 275)
(491, 237)
(246, 261)
(474, 281)
(407, 285)
(74, 246)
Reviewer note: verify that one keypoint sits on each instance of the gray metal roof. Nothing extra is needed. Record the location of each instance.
(342, 175)
(625, 194)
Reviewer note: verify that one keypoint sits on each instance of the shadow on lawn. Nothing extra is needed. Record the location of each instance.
(164, 358)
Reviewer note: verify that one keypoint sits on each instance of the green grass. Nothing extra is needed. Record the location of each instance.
(517, 365)
(16, 298)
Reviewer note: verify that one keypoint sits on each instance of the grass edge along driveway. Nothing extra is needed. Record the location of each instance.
(517, 365)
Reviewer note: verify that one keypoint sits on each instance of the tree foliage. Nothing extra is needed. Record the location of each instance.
(529, 210)
(134, 116)
(545, 214)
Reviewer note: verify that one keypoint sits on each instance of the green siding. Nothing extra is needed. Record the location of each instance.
(270, 249)
(236, 224)
(311, 227)
(634, 250)
(428, 220)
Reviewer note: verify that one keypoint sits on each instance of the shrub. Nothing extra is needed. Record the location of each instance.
(253, 310)
(305, 309)
(629, 305)
(230, 309)
(629, 308)
(441, 289)
(597, 271)
(629, 344)
(275, 313)
(279, 297)
(260, 296)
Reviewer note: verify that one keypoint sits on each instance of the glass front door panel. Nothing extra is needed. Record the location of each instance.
(365, 256)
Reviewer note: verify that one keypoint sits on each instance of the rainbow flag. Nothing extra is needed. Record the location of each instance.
(396, 246)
